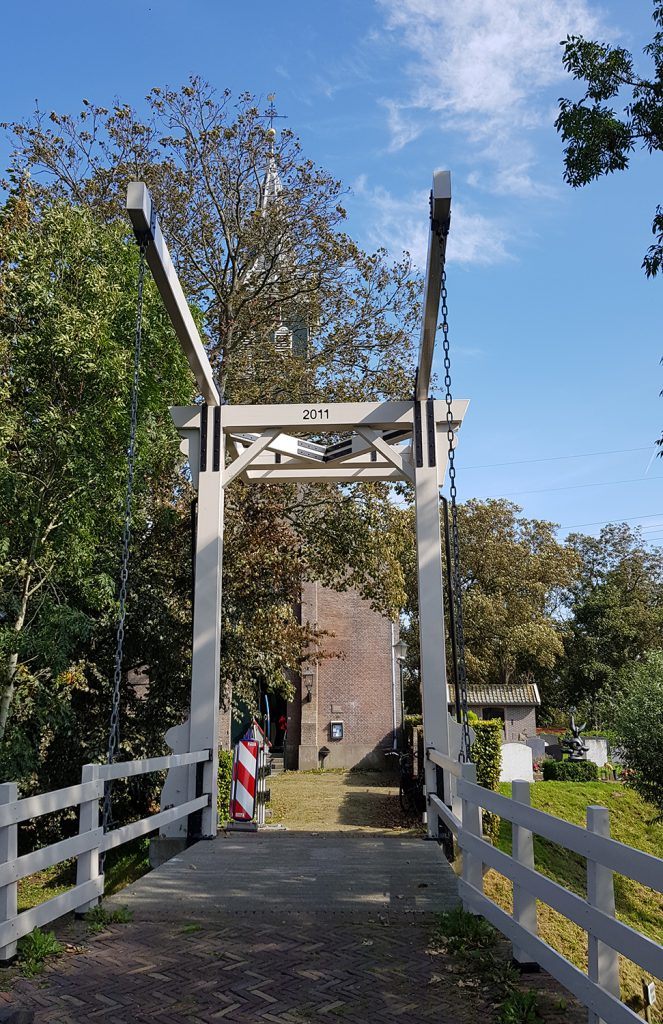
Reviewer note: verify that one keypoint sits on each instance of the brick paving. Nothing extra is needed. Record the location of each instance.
(292, 971)
(344, 938)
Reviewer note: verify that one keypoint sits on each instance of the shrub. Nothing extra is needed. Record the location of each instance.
(34, 950)
(570, 771)
(520, 1008)
(639, 725)
(486, 753)
(225, 781)
(459, 931)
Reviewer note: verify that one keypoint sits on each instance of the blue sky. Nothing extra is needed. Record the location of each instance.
(556, 332)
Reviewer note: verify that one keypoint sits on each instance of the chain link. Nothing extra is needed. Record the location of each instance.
(114, 730)
(456, 595)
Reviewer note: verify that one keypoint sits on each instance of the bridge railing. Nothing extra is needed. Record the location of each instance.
(86, 847)
(607, 937)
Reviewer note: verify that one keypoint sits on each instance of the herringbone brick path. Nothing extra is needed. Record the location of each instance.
(290, 971)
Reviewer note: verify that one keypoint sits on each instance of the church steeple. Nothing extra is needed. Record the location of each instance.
(289, 338)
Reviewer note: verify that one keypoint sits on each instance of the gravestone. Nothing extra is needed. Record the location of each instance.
(538, 747)
(516, 762)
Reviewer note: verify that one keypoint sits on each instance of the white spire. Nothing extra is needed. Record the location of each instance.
(271, 185)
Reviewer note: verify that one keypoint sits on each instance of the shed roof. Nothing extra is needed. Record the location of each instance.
(498, 694)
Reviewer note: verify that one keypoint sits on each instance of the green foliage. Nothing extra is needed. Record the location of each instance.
(615, 615)
(519, 1008)
(639, 725)
(34, 949)
(460, 932)
(569, 771)
(513, 572)
(67, 312)
(486, 753)
(599, 138)
(225, 782)
(98, 919)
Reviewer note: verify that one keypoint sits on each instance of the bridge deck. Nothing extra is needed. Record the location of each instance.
(276, 872)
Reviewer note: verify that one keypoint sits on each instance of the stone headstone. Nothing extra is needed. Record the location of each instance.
(516, 762)
(597, 750)
(538, 747)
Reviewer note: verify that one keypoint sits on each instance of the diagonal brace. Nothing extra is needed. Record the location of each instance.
(380, 445)
(239, 465)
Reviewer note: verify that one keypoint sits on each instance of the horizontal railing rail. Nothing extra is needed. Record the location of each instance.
(625, 860)
(86, 847)
(607, 936)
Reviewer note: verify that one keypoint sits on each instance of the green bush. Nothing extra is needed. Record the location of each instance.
(486, 753)
(570, 771)
(225, 781)
(639, 725)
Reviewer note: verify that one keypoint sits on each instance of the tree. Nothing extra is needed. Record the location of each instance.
(513, 572)
(639, 727)
(251, 256)
(615, 607)
(249, 266)
(67, 314)
(599, 138)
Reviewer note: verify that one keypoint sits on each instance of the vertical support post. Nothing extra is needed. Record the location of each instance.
(472, 866)
(8, 853)
(603, 962)
(87, 866)
(206, 657)
(522, 850)
(433, 669)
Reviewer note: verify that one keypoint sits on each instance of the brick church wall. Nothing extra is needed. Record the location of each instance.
(354, 684)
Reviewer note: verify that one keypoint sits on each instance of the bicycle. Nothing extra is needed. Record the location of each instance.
(410, 787)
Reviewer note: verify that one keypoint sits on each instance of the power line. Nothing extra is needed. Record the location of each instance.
(559, 458)
(615, 519)
(573, 487)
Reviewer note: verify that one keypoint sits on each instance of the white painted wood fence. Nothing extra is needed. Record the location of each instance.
(606, 936)
(90, 842)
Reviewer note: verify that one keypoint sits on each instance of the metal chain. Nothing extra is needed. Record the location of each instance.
(114, 731)
(455, 596)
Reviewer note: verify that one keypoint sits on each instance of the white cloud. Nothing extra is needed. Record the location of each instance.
(484, 68)
(401, 224)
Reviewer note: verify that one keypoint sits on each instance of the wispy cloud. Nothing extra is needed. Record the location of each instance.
(401, 224)
(484, 68)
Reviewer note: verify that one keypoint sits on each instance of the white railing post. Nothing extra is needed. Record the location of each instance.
(602, 960)
(8, 853)
(472, 866)
(522, 850)
(87, 868)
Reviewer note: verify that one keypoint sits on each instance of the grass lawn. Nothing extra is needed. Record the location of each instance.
(123, 866)
(338, 801)
(637, 906)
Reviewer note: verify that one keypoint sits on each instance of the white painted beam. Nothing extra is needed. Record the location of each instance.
(334, 474)
(144, 221)
(440, 215)
(317, 419)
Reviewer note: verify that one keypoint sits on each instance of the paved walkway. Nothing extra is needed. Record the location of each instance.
(282, 927)
(289, 928)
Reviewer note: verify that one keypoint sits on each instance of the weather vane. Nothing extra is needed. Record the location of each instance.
(270, 112)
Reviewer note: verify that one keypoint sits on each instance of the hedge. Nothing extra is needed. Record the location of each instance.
(225, 781)
(570, 771)
(486, 753)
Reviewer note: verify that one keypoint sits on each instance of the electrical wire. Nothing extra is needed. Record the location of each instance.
(559, 458)
(573, 487)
